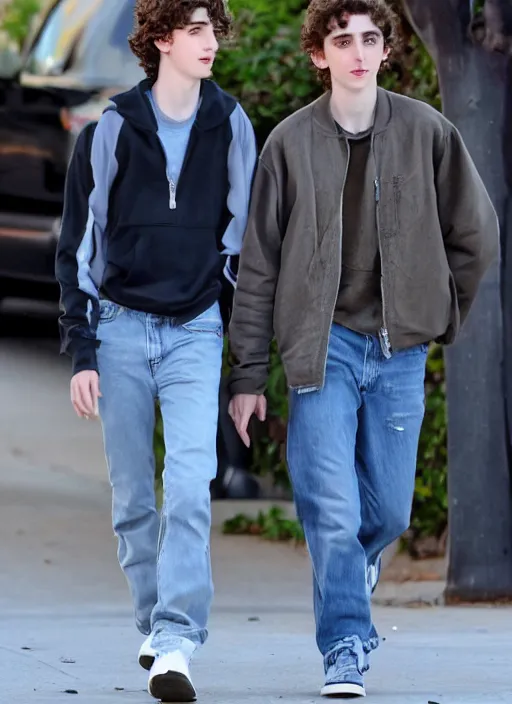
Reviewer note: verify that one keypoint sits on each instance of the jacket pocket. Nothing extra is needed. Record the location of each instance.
(165, 263)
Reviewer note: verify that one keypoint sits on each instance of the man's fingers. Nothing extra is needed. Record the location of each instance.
(261, 408)
(83, 397)
(77, 410)
(95, 389)
(243, 424)
(244, 435)
(77, 401)
(240, 410)
(240, 417)
(88, 398)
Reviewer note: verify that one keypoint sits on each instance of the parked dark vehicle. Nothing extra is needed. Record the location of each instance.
(76, 57)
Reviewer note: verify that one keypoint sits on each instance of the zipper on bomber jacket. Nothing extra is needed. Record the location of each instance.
(383, 332)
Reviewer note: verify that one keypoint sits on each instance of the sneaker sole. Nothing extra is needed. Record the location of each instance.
(172, 687)
(146, 661)
(343, 690)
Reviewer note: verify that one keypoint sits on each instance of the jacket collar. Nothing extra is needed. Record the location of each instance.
(134, 105)
(323, 119)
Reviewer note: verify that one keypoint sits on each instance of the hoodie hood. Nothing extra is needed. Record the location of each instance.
(134, 105)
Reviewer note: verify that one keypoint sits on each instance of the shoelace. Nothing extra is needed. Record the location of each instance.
(346, 662)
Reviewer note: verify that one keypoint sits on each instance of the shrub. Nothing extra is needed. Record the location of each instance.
(15, 18)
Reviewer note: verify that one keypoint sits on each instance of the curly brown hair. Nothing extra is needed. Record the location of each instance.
(157, 19)
(318, 25)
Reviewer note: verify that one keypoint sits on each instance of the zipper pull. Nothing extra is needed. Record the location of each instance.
(377, 190)
(384, 343)
(172, 195)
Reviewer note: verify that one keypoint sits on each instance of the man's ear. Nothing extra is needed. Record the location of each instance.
(163, 45)
(387, 53)
(318, 58)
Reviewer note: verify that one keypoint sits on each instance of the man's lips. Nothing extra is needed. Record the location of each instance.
(359, 72)
(206, 60)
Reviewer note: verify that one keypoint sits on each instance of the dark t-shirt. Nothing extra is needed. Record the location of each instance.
(359, 304)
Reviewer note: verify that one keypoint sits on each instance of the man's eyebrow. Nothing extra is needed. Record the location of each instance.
(199, 24)
(346, 35)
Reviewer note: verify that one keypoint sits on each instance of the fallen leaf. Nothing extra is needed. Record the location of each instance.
(70, 691)
(67, 660)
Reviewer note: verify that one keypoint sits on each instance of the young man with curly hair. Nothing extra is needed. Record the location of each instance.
(369, 233)
(155, 210)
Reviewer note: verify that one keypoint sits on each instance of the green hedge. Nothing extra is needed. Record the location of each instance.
(15, 18)
(266, 70)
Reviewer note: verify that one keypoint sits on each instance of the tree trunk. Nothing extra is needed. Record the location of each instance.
(473, 84)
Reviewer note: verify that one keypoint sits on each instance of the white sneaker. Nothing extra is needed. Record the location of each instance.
(169, 678)
(147, 654)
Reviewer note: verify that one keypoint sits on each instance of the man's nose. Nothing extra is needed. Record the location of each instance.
(212, 44)
(359, 50)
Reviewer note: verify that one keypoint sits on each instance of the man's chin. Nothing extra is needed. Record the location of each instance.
(355, 85)
(206, 72)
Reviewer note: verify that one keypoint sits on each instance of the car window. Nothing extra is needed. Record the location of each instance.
(58, 36)
(123, 25)
(103, 55)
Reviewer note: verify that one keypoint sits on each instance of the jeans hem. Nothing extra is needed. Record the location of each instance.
(170, 631)
(359, 648)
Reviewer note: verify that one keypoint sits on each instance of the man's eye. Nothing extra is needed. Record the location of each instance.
(371, 40)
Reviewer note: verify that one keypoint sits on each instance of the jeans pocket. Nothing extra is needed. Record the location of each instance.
(207, 322)
(109, 311)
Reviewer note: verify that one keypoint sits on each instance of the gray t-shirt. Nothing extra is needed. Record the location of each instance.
(174, 135)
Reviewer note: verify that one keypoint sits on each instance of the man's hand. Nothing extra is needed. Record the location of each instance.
(85, 391)
(241, 408)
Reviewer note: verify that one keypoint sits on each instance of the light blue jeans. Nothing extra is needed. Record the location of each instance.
(352, 449)
(164, 555)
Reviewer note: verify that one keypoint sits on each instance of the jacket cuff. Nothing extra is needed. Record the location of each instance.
(246, 385)
(83, 355)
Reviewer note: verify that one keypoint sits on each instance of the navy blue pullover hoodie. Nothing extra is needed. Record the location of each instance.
(123, 236)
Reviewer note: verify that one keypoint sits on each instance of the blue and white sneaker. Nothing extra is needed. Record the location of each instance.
(343, 677)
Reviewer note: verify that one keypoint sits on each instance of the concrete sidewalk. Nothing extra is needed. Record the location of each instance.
(67, 625)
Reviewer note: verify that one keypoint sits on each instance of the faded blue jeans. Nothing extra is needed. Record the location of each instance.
(165, 555)
(352, 449)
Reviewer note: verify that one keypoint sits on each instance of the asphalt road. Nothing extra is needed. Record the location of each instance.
(37, 421)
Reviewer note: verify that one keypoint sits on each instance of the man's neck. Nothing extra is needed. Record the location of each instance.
(354, 112)
(176, 95)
